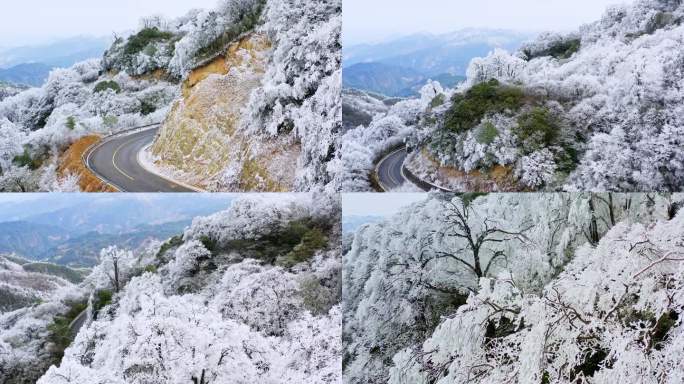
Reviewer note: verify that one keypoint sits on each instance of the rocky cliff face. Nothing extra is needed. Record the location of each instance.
(199, 139)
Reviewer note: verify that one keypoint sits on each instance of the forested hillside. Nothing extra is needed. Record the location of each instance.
(250, 294)
(289, 101)
(534, 288)
(597, 109)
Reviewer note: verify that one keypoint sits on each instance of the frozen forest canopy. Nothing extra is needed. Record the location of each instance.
(529, 288)
(598, 109)
(141, 75)
(250, 294)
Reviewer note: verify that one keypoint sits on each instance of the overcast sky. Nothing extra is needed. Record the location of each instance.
(374, 20)
(377, 204)
(36, 21)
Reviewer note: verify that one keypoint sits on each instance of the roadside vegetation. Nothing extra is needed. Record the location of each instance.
(144, 38)
(61, 335)
(489, 97)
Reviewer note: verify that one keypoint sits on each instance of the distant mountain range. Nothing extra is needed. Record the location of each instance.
(392, 80)
(74, 233)
(83, 213)
(31, 65)
(54, 245)
(351, 223)
(400, 67)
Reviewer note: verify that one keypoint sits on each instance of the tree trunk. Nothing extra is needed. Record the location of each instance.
(476, 259)
(116, 275)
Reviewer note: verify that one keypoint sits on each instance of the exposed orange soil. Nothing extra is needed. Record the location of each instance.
(157, 74)
(498, 178)
(70, 163)
(216, 66)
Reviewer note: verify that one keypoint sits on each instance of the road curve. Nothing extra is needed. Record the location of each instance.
(115, 160)
(78, 322)
(389, 170)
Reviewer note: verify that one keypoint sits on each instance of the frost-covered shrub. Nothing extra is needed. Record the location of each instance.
(143, 52)
(105, 85)
(554, 45)
(302, 84)
(498, 65)
(267, 301)
(537, 169)
(186, 265)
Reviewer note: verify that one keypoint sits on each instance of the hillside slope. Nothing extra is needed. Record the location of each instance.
(288, 104)
(597, 109)
(246, 295)
(559, 288)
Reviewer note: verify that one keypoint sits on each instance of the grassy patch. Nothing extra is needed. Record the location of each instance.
(562, 49)
(254, 177)
(31, 159)
(487, 133)
(60, 332)
(105, 85)
(145, 37)
(175, 241)
(536, 129)
(488, 97)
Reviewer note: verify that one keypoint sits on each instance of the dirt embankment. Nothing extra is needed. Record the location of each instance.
(71, 163)
(200, 141)
(499, 178)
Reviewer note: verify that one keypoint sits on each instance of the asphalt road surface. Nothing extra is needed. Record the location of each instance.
(116, 161)
(78, 322)
(389, 170)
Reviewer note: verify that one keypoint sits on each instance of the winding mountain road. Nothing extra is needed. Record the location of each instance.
(389, 170)
(78, 322)
(115, 160)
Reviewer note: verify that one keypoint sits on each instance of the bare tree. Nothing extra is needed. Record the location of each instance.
(592, 232)
(460, 224)
(112, 253)
(201, 379)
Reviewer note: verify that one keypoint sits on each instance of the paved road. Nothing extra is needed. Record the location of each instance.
(116, 161)
(78, 323)
(389, 172)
